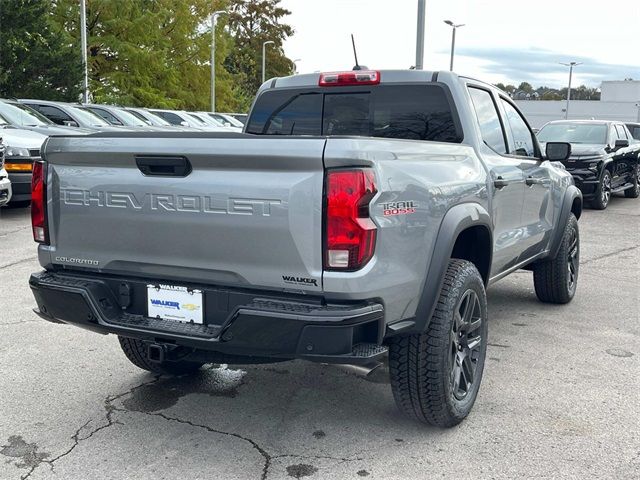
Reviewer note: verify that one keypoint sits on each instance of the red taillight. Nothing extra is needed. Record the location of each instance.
(39, 203)
(356, 77)
(350, 233)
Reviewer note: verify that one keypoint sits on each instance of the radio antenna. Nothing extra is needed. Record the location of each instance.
(355, 54)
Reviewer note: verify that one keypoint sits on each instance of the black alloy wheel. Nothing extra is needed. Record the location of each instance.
(466, 343)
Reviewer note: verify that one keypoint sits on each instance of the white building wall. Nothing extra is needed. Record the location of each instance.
(539, 112)
(620, 91)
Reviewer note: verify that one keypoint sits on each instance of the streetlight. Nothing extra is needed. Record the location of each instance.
(454, 27)
(295, 65)
(83, 45)
(264, 60)
(570, 65)
(214, 16)
(420, 35)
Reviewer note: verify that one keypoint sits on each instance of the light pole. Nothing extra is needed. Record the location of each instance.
(264, 59)
(214, 16)
(420, 35)
(454, 27)
(570, 65)
(295, 65)
(83, 46)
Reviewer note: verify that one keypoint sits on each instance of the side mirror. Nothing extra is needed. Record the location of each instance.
(184, 123)
(71, 123)
(558, 151)
(621, 144)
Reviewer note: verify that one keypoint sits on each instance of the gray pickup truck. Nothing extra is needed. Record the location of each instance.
(361, 214)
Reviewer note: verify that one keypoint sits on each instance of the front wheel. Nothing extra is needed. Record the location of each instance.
(634, 192)
(555, 280)
(435, 375)
(603, 193)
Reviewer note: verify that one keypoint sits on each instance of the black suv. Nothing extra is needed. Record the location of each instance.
(604, 157)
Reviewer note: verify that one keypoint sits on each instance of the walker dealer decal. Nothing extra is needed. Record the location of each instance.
(174, 303)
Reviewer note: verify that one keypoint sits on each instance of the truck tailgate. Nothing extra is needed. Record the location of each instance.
(249, 213)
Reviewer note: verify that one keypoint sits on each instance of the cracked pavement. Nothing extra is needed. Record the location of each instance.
(559, 397)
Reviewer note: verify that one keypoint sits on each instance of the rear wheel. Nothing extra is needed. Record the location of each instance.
(137, 353)
(435, 375)
(634, 192)
(603, 193)
(555, 280)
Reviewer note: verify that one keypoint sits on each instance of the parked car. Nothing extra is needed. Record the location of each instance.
(225, 119)
(5, 183)
(605, 158)
(241, 117)
(22, 148)
(148, 117)
(70, 115)
(634, 129)
(210, 121)
(120, 117)
(21, 116)
(177, 118)
(363, 216)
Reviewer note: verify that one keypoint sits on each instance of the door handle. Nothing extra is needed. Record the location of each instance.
(500, 183)
(162, 166)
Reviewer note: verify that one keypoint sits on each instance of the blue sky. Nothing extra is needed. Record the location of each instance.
(501, 41)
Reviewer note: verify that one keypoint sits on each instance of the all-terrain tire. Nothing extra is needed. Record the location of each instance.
(136, 351)
(634, 192)
(423, 367)
(555, 280)
(603, 192)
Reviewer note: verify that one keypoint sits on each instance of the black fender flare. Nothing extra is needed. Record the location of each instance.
(571, 193)
(457, 219)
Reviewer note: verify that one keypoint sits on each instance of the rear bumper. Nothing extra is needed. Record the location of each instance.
(237, 322)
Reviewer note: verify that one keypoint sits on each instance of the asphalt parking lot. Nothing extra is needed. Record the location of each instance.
(559, 397)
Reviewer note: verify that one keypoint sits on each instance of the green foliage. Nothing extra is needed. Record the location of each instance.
(151, 53)
(252, 22)
(35, 61)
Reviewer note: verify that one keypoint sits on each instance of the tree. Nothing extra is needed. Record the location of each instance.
(154, 53)
(35, 61)
(252, 22)
(525, 87)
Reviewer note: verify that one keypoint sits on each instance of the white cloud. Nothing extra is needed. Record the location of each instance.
(591, 32)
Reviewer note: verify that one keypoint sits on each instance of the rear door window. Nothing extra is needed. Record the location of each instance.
(416, 112)
(488, 119)
(521, 138)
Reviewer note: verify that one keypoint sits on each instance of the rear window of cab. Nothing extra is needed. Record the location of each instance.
(412, 112)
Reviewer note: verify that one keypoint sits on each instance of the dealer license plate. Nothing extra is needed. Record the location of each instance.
(174, 303)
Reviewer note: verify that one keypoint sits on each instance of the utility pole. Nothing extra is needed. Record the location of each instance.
(454, 27)
(420, 35)
(264, 58)
(214, 16)
(83, 46)
(570, 65)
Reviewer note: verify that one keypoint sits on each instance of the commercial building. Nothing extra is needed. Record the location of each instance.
(619, 100)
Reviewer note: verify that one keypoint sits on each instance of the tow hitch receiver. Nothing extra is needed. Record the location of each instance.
(156, 353)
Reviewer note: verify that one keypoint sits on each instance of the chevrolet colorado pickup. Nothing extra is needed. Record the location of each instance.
(605, 157)
(361, 214)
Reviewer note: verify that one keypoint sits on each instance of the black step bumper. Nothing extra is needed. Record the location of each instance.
(237, 322)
